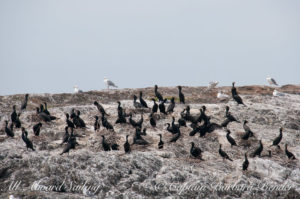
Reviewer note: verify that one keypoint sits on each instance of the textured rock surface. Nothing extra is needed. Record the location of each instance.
(147, 171)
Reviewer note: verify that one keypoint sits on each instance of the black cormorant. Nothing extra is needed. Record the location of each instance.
(223, 153)
(100, 108)
(289, 154)
(37, 128)
(24, 104)
(258, 150)
(26, 140)
(142, 101)
(105, 145)
(155, 106)
(277, 140)
(157, 94)
(248, 132)
(181, 95)
(230, 139)
(171, 106)
(152, 120)
(9, 131)
(96, 123)
(135, 103)
(162, 107)
(127, 145)
(161, 143)
(195, 151)
(245, 163)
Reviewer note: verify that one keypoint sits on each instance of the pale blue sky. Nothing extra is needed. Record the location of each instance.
(49, 46)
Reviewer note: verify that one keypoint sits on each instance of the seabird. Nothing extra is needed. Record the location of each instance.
(142, 101)
(277, 140)
(195, 151)
(44, 116)
(121, 115)
(235, 95)
(138, 138)
(271, 81)
(245, 163)
(181, 95)
(96, 123)
(105, 145)
(258, 150)
(77, 90)
(69, 123)
(175, 127)
(135, 103)
(230, 139)
(222, 95)
(81, 122)
(66, 136)
(176, 137)
(248, 132)
(14, 115)
(9, 132)
(171, 106)
(223, 153)
(109, 83)
(26, 140)
(106, 124)
(36, 128)
(181, 121)
(24, 104)
(229, 116)
(233, 89)
(162, 107)
(157, 94)
(212, 85)
(289, 154)
(127, 145)
(46, 109)
(277, 93)
(152, 120)
(155, 106)
(161, 143)
(100, 108)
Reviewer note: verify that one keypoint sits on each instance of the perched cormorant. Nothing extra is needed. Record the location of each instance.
(277, 140)
(134, 123)
(175, 127)
(162, 107)
(71, 143)
(223, 153)
(248, 132)
(46, 109)
(106, 124)
(138, 138)
(127, 145)
(258, 150)
(230, 117)
(135, 103)
(24, 104)
(37, 128)
(96, 123)
(26, 140)
(157, 94)
(235, 95)
(181, 95)
(105, 145)
(142, 101)
(171, 107)
(289, 154)
(155, 106)
(176, 137)
(44, 116)
(195, 151)
(161, 143)
(245, 163)
(69, 123)
(81, 122)
(66, 136)
(14, 115)
(230, 139)
(9, 132)
(182, 121)
(225, 122)
(152, 120)
(233, 90)
(100, 108)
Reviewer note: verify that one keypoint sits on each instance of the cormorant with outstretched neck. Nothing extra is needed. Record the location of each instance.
(245, 163)
(161, 143)
(127, 145)
(223, 153)
(155, 106)
(37, 128)
(277, 140)
(289, 154)
(181, 95)
(230, 139)
(171, 107)
(66, 136)
(233, 89)
(258, 150)
(9, 131)
(24, 104)
(26, 140)
(96, 123)
(106, 124)
(105, 145)
(69, 123)
(100, 108)
(152, 120)
(142, 101)
(162, 107)
(195, 151)
(248, 132)
(157, 94)
(135, 103)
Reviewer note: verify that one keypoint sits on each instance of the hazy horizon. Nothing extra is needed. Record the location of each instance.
(50, 46)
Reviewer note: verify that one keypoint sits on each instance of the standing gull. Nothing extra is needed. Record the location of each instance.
(109, 83)
(77, 90)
